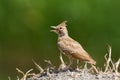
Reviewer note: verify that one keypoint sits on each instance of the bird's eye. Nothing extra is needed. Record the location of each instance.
(60, 28)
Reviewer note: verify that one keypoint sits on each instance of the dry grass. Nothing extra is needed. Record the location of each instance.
(110, 68)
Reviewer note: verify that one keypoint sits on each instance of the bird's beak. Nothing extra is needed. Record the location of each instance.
(53, 29)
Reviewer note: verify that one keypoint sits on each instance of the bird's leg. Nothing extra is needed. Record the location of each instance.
(63, 65)
(78, 62)
(71, 61)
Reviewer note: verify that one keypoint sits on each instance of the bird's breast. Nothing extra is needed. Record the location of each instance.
(63, 46)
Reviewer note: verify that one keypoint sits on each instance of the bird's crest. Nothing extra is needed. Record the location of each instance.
(63, 24)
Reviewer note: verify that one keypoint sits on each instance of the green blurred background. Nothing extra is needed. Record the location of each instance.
(25, 31)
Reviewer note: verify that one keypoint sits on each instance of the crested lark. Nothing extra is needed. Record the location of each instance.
(69, 46)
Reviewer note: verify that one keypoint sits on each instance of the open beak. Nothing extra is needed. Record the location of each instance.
(53, 29)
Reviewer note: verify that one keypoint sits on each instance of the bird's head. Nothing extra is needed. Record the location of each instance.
(60, 29)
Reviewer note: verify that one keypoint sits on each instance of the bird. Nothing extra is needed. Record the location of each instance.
(71, 47)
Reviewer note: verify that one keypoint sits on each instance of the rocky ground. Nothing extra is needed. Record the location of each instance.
(75, 75)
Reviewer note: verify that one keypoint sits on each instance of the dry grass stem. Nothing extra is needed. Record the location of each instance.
(48, 72)
(19, 71)
(24, 75)
(95, 69)
(108, 60)
(38, 67)
(9, 78)
(50, 66)
(49, 62)
(116, 67)
(18, 78)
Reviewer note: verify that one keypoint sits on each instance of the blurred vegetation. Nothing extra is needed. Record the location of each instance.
(25, 30)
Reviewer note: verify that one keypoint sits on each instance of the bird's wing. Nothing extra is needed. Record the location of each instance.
(70, 45)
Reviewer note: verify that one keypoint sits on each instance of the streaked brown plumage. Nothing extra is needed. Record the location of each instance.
(69, 46)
